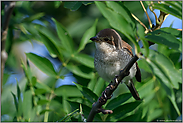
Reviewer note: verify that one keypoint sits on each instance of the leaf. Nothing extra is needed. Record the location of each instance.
(99, 86)
(65, 38)
(118, 101)
(172, 31)
(166, 73)
(137, 117)
(86, 110)
(42, 102)
(65, 118)
(79, 71)
(33, 17)
(87, 2)
(84, 59)
(122, 110)
(162, 37)
(141, 34)
(42, 63)
(27, 104)
(87, 93)
(68, 91)
(167, 9)
(87, 35)
(123, 11)
(118, 22)
(15, 101)
(42, 88)
(57, 3)
(164, 69)
(72, 5)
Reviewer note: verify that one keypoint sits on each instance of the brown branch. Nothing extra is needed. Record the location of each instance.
(150, 23)
(7, 14)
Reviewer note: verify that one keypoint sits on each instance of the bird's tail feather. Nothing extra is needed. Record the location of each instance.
(132, 89)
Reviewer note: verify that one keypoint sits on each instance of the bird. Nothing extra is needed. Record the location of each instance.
(112, 54)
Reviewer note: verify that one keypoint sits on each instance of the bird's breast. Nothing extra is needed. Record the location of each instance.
(109, 64)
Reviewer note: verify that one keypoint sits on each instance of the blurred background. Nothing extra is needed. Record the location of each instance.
(23, 38)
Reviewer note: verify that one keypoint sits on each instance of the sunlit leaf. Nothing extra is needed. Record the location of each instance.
(84, 59)
(87, 35)
(63, 35)
(64, 89)
(79, 71)
(42, 63)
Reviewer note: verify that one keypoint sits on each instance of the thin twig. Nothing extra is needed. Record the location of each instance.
(146, 29)
(7, 14)
(150, 23)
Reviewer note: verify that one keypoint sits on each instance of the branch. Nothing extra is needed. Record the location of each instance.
(150, 23)
(7, 14)
(107, 93)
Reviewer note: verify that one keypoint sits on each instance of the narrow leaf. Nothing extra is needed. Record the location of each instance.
(87, 35)
(84, 59)
(65, 38)
(118, 101)
(42, 63)
(92, 97)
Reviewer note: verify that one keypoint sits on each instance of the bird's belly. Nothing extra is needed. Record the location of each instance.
(108, 70)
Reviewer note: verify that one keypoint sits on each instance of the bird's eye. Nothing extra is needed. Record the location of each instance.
(106, 39)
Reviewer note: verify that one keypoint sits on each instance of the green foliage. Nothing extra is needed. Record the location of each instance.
(40, 100)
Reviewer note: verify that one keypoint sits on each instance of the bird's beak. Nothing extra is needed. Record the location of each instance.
(94, 39)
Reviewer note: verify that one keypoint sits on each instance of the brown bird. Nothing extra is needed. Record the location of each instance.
(112, 55)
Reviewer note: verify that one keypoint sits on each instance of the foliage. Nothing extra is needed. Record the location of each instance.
(33, 99)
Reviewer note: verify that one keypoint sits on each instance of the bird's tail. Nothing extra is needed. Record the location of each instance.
(132, 89)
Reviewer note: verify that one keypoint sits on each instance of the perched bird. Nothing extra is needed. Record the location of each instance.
(112, 55)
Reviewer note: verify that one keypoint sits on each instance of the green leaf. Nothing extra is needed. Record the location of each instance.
(123, 11)
(53, 47)
(42, 63)
(27, 104)
(122, 110)
(42, 102)
(172, 31)
(33, 17)
(86, 110)
(92, 97)
(65, 38)
(68, 91)
(141, 34)
(84, 59)
(118, 22)
(87, 35)
(87, 2)
(72, 5)
(57, 3)
(166, 38)
(167, 9)
(164, 69)
(155, 114)
(42, 88)
(65, 118)
(137, 117)
(118, 101)
(166, 73)
(99, 86)
(80, 71)
(15, 101)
